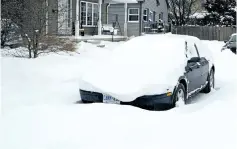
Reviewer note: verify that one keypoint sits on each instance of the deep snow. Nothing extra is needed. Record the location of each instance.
(39, 112)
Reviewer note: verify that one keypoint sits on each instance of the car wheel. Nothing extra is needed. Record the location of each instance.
(179, 96)
(211, 82)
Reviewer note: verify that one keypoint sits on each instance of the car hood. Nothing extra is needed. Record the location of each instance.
(128, 79)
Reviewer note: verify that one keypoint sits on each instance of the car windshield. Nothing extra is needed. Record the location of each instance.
(233, 38)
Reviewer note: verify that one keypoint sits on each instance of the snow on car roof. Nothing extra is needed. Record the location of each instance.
(152, 42)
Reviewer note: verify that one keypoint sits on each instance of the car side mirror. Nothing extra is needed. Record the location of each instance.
(225, 41)
(194, 60)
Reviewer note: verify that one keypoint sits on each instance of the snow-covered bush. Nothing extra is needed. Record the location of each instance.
(10, 35)
(30, 17)
(46, 45)
(221, 12)
(54, 44)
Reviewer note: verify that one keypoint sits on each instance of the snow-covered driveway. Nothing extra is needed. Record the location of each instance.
(39, 112)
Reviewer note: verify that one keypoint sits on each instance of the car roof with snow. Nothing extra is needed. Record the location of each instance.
(162, 43)
(161, 48)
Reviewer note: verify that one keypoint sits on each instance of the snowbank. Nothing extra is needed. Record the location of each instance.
(111, 126)
(225, 61)
(39, 112)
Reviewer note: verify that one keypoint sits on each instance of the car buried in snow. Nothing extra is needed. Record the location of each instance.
(150, 71)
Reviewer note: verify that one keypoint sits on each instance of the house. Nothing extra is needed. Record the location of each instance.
(65, 18)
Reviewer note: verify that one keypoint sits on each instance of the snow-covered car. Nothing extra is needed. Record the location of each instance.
(149, 71)
(231, 43)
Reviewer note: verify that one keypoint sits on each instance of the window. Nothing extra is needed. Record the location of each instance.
(233, 38)
(95, 14)
(145, 15)
(69, 8)
(89, 13)
(161, 16)
(192, 51)
(133, 15)
(151, 16)
(83, 13)
(154, 16)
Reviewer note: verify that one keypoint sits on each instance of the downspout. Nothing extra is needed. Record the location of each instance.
(126, 19)
(77, 28)
(47, 17)
(140, 18)
(108, 13)
(99, 22)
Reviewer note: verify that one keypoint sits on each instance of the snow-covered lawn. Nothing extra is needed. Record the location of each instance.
(38, 110)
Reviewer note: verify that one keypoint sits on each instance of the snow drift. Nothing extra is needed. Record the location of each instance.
(39, 112)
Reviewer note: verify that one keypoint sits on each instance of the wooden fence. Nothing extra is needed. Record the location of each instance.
(205, 32)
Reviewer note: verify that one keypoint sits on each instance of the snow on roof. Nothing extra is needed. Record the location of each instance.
(199, 15)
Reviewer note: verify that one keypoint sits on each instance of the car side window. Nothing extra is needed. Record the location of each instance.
(191, 51)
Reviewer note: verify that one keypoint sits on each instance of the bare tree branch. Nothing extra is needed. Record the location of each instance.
(181, 10)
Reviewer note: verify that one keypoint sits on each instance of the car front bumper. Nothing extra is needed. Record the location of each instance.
(143, 101)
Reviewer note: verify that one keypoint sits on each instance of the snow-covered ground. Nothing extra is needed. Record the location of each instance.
(38, 110)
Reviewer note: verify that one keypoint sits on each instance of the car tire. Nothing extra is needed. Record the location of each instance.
(179, 97)
(210, 82)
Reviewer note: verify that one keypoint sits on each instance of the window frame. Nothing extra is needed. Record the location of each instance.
(161, 16)
(133, 15)
(92, 11)
(151, 15)
(145, 15)
(190, 48)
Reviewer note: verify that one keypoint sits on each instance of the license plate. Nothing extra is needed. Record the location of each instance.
(110, 99)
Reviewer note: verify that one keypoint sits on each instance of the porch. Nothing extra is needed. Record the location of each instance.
(101, 27)
(113, 38)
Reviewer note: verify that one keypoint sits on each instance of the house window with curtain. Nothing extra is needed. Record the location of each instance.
(95, 14)
(83, 13)
(151, 16)
(133, 15)
(88, 13)
(145, 15)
